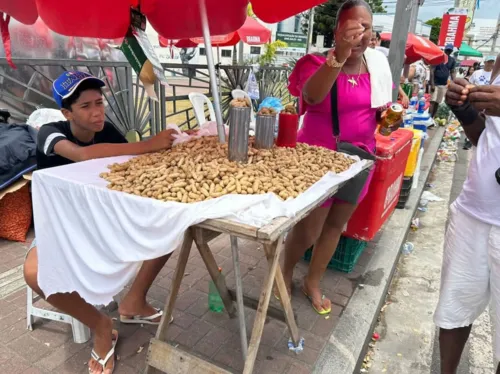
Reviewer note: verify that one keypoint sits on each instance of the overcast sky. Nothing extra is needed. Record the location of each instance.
(436, 8)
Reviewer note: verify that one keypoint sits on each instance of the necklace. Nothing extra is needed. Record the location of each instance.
(353, 81)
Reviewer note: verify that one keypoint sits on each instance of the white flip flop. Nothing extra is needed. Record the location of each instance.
(144, 320)
(103, 361)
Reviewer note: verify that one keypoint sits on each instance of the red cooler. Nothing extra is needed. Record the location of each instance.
(382, 197)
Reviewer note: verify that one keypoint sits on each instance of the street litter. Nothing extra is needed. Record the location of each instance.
(297, 349)
(415, 224)
(407, 248)
(422, 209)
(429, 196)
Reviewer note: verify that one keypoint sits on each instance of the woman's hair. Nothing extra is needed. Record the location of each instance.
(349, 4)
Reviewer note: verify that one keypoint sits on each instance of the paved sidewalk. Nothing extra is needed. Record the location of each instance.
(50, 348)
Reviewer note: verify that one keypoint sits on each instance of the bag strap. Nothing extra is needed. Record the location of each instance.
(334, 110)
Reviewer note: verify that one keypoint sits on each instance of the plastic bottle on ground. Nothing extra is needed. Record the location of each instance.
(215, 303)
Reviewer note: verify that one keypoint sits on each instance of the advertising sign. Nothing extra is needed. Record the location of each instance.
(452, 30)
(470, 5)
(293, 39)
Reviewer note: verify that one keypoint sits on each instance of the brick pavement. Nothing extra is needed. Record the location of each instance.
(50, 348)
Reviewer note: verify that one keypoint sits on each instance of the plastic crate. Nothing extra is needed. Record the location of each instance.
(346, 256)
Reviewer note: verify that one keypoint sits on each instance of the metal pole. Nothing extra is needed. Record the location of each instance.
(310, 29)
(398, 41)
(239, 296)
(211, 70)
(495, 36)
(240, 52)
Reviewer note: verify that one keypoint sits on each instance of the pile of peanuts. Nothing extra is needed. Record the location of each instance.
(199, 170)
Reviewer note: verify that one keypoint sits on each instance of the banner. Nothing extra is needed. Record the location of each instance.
(471, 6)
(452, 30)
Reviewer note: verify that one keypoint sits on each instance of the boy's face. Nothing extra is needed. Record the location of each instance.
(87, 111)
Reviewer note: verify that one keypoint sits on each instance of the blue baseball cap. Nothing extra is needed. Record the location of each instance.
(64, 86)
(490, 58)
(449, 46)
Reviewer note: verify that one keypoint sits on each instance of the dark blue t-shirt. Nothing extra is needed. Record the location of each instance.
(442, 72)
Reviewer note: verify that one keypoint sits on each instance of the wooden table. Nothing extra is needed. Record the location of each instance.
(171, 360)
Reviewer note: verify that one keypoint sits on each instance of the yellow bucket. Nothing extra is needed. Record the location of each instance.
(411, 164)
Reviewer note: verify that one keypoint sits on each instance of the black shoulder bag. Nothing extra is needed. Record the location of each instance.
(351, 191)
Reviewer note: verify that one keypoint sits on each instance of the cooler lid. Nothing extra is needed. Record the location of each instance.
(388, 146)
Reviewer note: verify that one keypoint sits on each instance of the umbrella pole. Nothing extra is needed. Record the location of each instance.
(211, 70)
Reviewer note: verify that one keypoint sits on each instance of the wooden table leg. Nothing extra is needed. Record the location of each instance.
(284, 299)
(161, 333)
(265, 295)
(213, 270)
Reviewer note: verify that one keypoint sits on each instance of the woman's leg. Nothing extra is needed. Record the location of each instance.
(324, 249)
(300, 238)
(134, 303)
(73, 305)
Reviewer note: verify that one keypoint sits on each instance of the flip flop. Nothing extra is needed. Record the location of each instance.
(103, 361)
(144, 320)
(275, 292)
(322, 312)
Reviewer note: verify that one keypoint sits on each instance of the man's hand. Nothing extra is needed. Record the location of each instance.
(457, 92)
(161, 141)
(486, 98)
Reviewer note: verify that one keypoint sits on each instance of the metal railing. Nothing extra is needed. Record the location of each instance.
(29, 87)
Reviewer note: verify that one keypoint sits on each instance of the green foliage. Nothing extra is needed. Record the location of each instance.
(435, 23)
(270, 49)
(250, 12)
(325, 18)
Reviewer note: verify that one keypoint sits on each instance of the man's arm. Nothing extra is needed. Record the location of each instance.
(474, 130)
(51, 141)
(431, 80)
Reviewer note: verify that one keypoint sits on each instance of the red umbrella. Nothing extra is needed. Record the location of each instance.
(272, 11)
(110, 19)
(418, 48)
(468, 63)
(252, 32)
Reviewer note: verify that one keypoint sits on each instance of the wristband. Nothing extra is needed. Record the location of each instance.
(466, 114)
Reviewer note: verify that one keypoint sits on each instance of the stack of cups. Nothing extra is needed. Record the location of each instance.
(239, 126)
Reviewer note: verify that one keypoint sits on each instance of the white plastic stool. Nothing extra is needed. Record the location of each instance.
(81, 333)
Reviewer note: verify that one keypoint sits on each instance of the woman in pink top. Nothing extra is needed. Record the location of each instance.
(312, 80)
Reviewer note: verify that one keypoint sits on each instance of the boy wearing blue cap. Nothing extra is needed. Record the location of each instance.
(85, 135)
(440, 75)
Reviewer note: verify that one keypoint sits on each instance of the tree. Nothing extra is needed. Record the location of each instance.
(325, 17)
(435, 23)
(270, 49)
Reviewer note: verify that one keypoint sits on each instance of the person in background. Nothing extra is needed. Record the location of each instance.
(375, 42)
(470, 277)
(440, 75)
(86, 136)
(417, 76)
(469, 72)
(354, 69)
(482, 77)
(460, 73)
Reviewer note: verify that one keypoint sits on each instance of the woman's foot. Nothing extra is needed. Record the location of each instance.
(130, 308)
(103, 342)
(320, 303)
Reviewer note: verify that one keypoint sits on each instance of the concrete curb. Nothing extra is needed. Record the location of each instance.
(345, 349)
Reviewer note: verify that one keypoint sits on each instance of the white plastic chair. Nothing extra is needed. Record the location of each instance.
(198, 102)
(81, 333)
(240, 94)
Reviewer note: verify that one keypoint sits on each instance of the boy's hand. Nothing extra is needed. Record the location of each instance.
(161, 141)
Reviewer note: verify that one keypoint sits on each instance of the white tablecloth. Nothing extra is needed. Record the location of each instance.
(92, 240)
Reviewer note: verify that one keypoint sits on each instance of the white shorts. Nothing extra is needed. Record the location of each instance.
(439, 94)
(471, 273)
